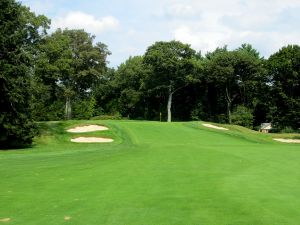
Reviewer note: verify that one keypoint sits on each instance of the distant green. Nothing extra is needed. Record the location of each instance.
(153, 174)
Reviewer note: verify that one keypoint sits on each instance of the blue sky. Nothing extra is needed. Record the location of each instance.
(129, 27)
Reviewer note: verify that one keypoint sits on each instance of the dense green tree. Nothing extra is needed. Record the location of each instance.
(70, 65)
(242, 116)
(128, 82)
(106, 93)
(235, 74)
(20, 31)
(222, 73)
(172, 66)
(284, 72)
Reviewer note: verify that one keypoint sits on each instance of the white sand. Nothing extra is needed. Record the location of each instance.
(91, 140)
(5, 220)
(287, 140)
(67, 217)
(214, 127)
(87, 128)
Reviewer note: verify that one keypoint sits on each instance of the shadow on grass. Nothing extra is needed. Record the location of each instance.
(19, 147)
(55, 128)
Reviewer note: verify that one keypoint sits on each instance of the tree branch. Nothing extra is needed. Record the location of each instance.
(177, 89)
(229, 100)
(227, 95)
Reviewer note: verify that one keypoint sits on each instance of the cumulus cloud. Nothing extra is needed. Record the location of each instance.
(80, 20)
(206, 41)
(201, 40)
(265, 24)
(205, 24)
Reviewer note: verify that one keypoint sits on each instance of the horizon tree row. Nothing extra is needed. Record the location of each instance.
(65, 75)
(227, 86)
(237, 86)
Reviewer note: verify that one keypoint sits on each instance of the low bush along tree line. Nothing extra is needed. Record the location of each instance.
(65, 75)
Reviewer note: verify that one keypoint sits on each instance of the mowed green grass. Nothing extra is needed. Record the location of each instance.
(152, 174)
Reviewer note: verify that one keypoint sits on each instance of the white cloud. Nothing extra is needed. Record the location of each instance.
(201, 40)
(205, 24)
(206, 41)
(80, 20)
(235, 22)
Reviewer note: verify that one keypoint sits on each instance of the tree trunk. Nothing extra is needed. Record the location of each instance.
(170, 104)
(229, 101)
(68, 110)
(229, 112)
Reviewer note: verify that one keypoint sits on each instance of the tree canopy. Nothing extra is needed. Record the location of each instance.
(69, 64)
(20, 31)
(171, 66)
(284, 70)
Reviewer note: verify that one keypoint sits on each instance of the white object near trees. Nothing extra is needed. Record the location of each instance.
(265, 127)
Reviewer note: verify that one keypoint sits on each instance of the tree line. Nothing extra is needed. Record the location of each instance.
(65, 75)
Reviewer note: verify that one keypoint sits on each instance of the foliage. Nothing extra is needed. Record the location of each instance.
(172, 66)
(287, 130)
(117, 116)
(20, 31)
(128, 81)
(91, 108)
(65, 75)
(236, 73)
(242, 116)
(70, 65)
(284, 71)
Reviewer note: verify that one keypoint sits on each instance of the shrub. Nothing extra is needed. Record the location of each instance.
(288, 130)
(242, 116)
(117, 116)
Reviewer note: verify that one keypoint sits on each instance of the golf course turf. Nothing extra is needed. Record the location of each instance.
(151, 174)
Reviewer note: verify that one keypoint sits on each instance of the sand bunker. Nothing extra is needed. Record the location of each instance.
(5, 220)
(67, 217)
(287, 140)
(91, 140)
(214, 127)
(87, 128)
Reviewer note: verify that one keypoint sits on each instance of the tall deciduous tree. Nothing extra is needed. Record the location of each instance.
(235, 73)
(172, 66)
(69, 61)
(220, 68)
(284, 71)
(20, 31)
(128, 82)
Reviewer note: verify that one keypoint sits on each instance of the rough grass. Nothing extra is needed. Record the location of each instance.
(153, 173)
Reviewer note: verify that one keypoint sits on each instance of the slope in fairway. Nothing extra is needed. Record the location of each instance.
(153, 173)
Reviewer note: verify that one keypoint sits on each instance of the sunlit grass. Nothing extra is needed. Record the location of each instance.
(153, 173)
